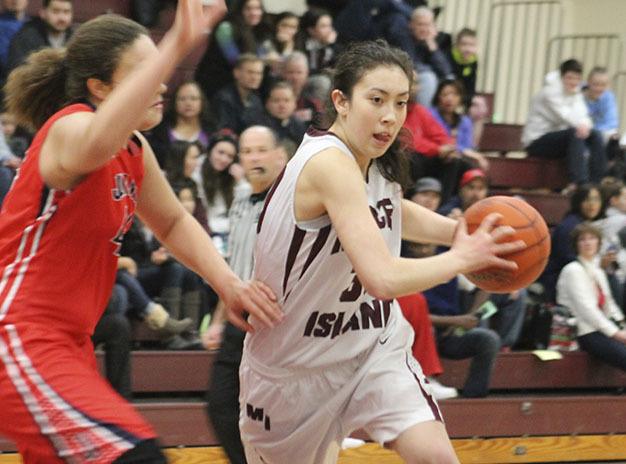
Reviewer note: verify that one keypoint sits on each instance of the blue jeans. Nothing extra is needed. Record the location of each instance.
(604, 348)
(509, 320)
(137, 298)
(482, 345)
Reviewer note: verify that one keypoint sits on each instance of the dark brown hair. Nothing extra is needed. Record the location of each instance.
(352, 64)
(52, 78)
(218, 181)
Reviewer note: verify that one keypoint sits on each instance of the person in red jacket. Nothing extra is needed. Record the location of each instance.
(435, 153)
(85, 175)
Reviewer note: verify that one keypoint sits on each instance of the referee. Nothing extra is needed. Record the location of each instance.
(262, 160)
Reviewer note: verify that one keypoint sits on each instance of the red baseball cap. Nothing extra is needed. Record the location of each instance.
(470, 175)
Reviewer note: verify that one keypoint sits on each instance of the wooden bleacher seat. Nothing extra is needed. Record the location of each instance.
(524, 371)
(501, 138)
(526, 173)
(189, 371)
(552, 206)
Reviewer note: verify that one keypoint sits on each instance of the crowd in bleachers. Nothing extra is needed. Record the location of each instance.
(275, 71)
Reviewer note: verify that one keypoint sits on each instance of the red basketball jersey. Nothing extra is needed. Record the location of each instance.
(59, 249)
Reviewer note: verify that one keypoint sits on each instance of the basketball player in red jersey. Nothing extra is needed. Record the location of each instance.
(86, 173)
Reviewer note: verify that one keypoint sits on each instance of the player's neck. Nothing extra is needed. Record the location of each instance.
(362, 160)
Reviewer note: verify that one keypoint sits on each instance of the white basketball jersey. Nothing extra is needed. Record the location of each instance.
(328, 315)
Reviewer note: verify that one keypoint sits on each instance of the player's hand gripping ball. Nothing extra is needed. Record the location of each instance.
(529, 226)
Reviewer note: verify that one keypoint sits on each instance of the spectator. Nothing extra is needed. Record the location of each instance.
(12, 19)
(139, 305)
(583, 288)
(15, 137)
(459, 337)
(464, 60)
(296, 72)
(188, 118)
(333, 6)
(161, 276)
(8, 164)
(601, 103)
(435, 151)
(242, 32)
(53, 29)
(183, 161)
(280, 109)
(262, 162)
(319, 39)
(113, 333)
(585, 206)
(431, 47)
(447, 109)
(614, 206)
(427, 193)
(377, 19)
(283, 42)
(509, 319)
(239, 102)
(216, 181)
(559, 126)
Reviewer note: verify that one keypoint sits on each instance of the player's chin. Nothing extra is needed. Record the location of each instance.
(151, 119)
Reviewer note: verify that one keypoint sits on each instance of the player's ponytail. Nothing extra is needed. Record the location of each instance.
(52, 78)
(36, 90)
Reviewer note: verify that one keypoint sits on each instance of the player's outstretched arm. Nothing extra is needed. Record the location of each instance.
(81, 143)
(335, 185)
(421, 225)
(183, 236)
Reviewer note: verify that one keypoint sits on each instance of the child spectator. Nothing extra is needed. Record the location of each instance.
(188, 118)
(15, 137)
(583, 288)
(239, 103)
(601, 103)
(447, 109)
(280, 107)
(243, 31)
(464, 59)
(559, 126)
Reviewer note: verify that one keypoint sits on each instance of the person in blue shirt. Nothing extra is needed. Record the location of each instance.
(447, 107)
(12, 19)
(601, 103)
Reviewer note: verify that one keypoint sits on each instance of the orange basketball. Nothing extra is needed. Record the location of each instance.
(529, 226)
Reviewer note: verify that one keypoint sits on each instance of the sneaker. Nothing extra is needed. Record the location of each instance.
(441, 392)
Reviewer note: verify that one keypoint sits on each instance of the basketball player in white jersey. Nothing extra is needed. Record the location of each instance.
(329, 246)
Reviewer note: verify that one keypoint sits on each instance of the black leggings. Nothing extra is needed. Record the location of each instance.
(146, 452)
